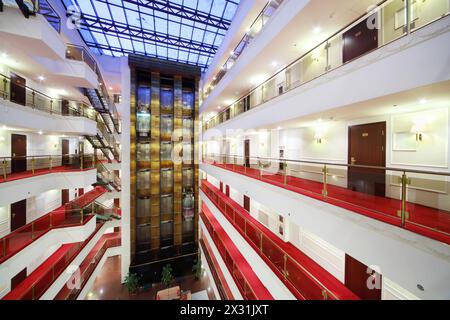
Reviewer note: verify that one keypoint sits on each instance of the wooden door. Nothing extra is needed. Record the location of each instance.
(65, 108)
(18, 89)
(247, 203)
(65, 152)
(363, 282)
(18, 214)
(18, 278)
(221, 186)
(18, 153)
(367, 147)
(247, 153)
(360, 39)
(227, 190)
(64, 196)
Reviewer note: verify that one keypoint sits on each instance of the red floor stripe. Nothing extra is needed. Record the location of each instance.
(38, 172)
(259, 289)
(328, 280)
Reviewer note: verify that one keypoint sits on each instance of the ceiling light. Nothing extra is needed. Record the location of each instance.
(274, 64)
(231, 53)
(423, 101)
(110, 88)
(317, 30)
(279, 128)
(219, 107)
(4, 55)
(40, 132)
(41, 78)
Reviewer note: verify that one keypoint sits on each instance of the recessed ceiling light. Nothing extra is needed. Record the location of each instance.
(274, 63)
(279, 128)
(423, 101)
(40, 132)
(231, 53)
(219, 107)
(41, 78)
(317, 30)
(110, 88)
(4, 55)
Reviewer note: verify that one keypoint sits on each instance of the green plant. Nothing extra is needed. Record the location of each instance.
(197, 269)
(132, 282)
(166, 275)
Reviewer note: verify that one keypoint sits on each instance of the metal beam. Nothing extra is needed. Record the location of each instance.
(183, 12)
(94, 23)
(128, 51)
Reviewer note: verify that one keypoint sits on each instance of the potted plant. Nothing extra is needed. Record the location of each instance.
(132, 283)
(166, 276)
(197, 269)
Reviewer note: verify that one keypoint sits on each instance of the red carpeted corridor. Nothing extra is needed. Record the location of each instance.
(430, 222)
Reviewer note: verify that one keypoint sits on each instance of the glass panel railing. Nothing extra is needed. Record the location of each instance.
(382, 25)
(80, 53)
(239, 273)
(20, 167)
(50, 14)
(87, 267)
(276, 254)
(29, 97)
(411, 199)
(255, 28)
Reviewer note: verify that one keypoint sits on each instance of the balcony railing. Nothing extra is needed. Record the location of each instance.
(34, 286)
(304, 283)
(20, 167)
(89, 264)
(37, 100)
(255, 28)
(388, 21)
(80, 53)
(412, 199)
(247, 282)
(219, 279)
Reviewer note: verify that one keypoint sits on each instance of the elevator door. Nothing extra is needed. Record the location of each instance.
(18, 153)
(360, 39)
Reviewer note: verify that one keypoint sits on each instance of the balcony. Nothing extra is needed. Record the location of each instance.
(56, 115)
(74, 213)
(303, 276)
(42, 278)
(250, 286)
(219, 279)
(332, 55)
(89, 264)
(401, 206)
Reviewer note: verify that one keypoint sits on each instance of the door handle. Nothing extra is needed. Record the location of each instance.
(353, 160)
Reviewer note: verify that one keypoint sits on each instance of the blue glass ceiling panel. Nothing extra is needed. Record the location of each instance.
(187, 31)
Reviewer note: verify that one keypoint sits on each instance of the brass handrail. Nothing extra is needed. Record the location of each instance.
(277, 160)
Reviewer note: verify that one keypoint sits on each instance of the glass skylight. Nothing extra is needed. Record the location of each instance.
(187, 31)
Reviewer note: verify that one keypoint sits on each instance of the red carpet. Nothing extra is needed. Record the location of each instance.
(89, 264)
(427, 221)
(38, 172)
(242, 273)
(61, 217)
(307, 279)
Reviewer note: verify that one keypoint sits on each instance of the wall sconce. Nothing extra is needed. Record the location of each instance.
(318, 137)
(419, 136)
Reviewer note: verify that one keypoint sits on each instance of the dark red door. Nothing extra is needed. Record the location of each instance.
(360, 39)
(247, 203)
(247, 153)
(65, 152)
(365, 283)
(18, 89)
(64, 196)
(18, 153)
(227, 190)
(221, 186)
(18, 278)
(367, 147)
(18, 214)
(65, 108)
